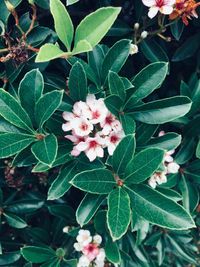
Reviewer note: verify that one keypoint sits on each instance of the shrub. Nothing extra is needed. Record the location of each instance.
(99, 133)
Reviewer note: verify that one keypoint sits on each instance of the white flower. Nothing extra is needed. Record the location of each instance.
(164, 6)
(84, 237)
(168, 158)
(93, 147)
(136, 26)
(98, 109)
(152, 182)
(110, 123)
(100, 258)
(78, 246)
(133, 49)
(81, 109)
(83, 262)
(144, 34)
(113, 140)
(69, 117)
(66, 229)
(172, 167)
(97, 239)
(81, 126)
(157, 178)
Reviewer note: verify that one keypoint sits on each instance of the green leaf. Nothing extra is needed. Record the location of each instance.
(12, 143)
(45, 150)
(97, 181)
(112, 252)
(158, 209)
(177, 29)
(128, 124)
(61, 184)
(123, 154)
(9, 257)
(15, 221)
(187, 49)
(198, 150)
(143, 165)
(48, 52)
(116, 85)
(162, 111)
(24, 206)
(153, 51)
(71, 2)
(82, 47)
(115, 58)
(63, 24)
(30, 90)
(119, 213)
(11, 111)
(147, 80)
(114, 104)
(88, 207)
(95, 26)
(37, 254)
(78, 82)
(47, 105)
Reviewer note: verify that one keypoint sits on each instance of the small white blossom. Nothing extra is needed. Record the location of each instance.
(66, 229)
(82, 126)
(113, 140)
(136, 26)
(84, 237)
(83, 261)
(97, 239)
(173, 167)
(78, 246)
(133, 49)
(144, 34)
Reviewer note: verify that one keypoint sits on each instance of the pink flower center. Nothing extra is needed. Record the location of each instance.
(96, 114)
(114, 139)
(109, 119)
(93, 144)
(91, 251)
(84, 127)
(159, 3)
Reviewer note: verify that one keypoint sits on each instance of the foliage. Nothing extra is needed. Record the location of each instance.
(132, 181)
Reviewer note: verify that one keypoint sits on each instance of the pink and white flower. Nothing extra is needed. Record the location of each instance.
(93, 147)
(163, 6)
(113, 140)
(110, 123)
(98, 109)
(82, 126)
(83, 261)
(173, 167)
(91, 251)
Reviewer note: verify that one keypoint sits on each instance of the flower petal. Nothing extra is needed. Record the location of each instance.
(153, 11)
(166, 10)
(149, 3)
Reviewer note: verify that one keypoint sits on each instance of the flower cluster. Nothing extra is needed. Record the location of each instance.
(170, 167)
(184, 9)
(93, 128)
(89, 246)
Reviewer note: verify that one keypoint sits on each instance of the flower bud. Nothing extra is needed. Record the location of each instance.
(144, 34)
(173, 167)
(133, 49)
(136, 26)
(9, 6)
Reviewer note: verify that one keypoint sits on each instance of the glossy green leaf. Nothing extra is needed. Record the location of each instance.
(48, 52)
(95, 26)
(77, 82)
(30, 90)
(158, 209)
(61, 184)
(115, 58)
(119, 213)
(123, 154)
(11, 111)
(13, 143)
(63, 24)
(114, 104)
(14, 221)
(37, 254)
(147, 80)
(143, 165)
(128, 124)
(116, 85)
(45, 150)
(177, 29)
(88, 207)
(198, 150)
(112, 252)
(9, 258)
(162, 111)
(98, 181)
(46, 106)
(24, 206)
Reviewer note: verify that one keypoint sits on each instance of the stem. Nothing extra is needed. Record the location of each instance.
(34, 17)
(4, 50)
